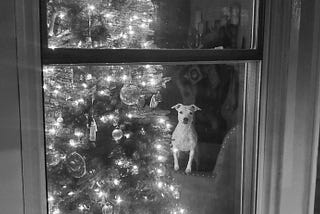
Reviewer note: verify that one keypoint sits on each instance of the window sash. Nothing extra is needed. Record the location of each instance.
(114, 56)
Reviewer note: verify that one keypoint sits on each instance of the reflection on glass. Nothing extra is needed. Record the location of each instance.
(149, 24)
(112, 133)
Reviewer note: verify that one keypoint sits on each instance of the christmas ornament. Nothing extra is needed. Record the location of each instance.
(142, 131)
(76, 165)
(107, 209)
(130, 94)
(117, 134)
(53, 158)
(155, 100)
(93, 130)
(60, 119)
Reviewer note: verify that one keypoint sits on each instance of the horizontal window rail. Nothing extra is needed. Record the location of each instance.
(118, 56)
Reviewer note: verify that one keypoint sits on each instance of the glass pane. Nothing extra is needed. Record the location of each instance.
(144, 139)
(149, 24)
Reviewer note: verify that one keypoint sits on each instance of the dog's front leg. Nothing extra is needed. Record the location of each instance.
(175, 158)
(191, 155)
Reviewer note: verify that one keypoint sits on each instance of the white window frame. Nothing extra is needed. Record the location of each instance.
(290, 76)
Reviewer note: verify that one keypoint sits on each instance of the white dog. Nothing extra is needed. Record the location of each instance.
(184, 137)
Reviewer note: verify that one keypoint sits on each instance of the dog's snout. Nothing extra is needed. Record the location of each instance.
(185, 120)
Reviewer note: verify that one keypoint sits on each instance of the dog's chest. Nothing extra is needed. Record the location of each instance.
(184, 138)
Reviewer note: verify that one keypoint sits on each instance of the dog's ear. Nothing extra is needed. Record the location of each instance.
(195, 108)
(176, 106)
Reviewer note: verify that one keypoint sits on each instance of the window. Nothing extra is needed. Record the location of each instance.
(151, 106)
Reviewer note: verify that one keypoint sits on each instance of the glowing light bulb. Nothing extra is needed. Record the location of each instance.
(152, 82)
(175, 150)
(89, 77)
(124, 77)
(160, 184)
(159, 171)
(129, 115)
(78, 133)
(118, 200)
(50, 198)
(56, 211)
(91, 7)
(111, 117)
(116, 181)
(109, 78)
(104, 119)
(62, 15)
(120, 163)
(72, 143)
(161, 120)
(160, 158)
(71, 193)
(108, 15)
(143, 25)
(100, 194)
(81, 207)
(52, 131)
(81, 101)
(168, 126)
(102, 93)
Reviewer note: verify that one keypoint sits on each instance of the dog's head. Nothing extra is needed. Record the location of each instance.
(185, 112)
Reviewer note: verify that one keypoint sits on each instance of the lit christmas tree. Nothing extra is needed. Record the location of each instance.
(107, 141)
(101, 23)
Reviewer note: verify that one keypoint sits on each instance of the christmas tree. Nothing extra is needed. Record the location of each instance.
(101, 23)
(107, 141)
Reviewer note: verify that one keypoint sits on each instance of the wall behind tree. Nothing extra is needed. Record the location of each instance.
(11, 197)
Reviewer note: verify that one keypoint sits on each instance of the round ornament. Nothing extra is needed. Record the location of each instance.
(59, 119)
(76, 165)
(130, 94)
(117, 134)
(53, 158)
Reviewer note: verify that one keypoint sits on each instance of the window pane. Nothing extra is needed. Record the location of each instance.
(118, 138)
(149, 24)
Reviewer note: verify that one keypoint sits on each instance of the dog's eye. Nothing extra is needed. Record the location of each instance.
(191, 113)
(180, 112)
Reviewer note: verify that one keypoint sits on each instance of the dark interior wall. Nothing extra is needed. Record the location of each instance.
(11, 197)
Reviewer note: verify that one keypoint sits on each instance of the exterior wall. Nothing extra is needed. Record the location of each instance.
(11, 197)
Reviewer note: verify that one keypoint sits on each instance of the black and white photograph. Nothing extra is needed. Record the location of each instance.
(160, 107)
